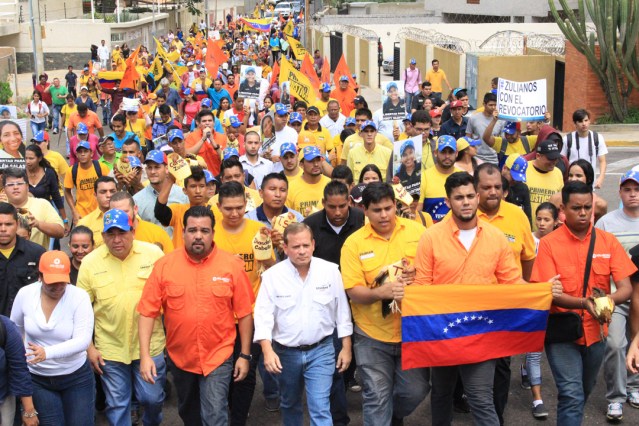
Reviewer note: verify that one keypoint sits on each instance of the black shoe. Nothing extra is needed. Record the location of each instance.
(461, 405)
(397, 422)
(354, 386)
(135, 417)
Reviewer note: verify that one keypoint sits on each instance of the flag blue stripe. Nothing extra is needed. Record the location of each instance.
(425, 328)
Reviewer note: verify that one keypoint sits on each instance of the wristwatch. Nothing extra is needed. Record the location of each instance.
(246, 357)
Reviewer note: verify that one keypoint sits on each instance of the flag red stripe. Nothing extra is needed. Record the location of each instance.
(470, 349)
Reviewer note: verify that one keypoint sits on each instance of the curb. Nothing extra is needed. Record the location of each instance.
(623, 143)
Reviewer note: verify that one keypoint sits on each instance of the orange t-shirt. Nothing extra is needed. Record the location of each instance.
(232, 89)
(212, 158)
(562, 253)
(200, 302)
(91, 120)
(345, 99)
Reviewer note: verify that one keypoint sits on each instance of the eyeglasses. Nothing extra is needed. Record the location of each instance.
(16, 184)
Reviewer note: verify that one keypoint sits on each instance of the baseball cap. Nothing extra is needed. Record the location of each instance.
(189, 64)
(230, 152)
(368, 123)
(435, 113)
(295, 117)
(354, 76)
(350, 121)
(510, 128)
(208, 176)
(359, 100)
(408, 144)
(629, 175)
(4, 109)
(325, 87)
(206, 103)
(83, 144)
(459, 89)
(39, 137)
(312, 109)
(234, 122)
(154, 96)
(550, 149)
(198, 62)
(311, 152)
(409, 117)
(493, 91)
(517, 165)
(343, 78)
(84, 88)
(186, 91)
(456, 104)
(175, 134)
(446, 141)
(281, 109)
(134, 161)
(391, 85)
(82, 129)
(156, 156)
(55, 267)
(116, 218)
(357, 192)
(288, 147)
(250, 69)
(413, 61)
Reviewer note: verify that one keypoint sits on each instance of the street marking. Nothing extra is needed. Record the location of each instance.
(626, 164)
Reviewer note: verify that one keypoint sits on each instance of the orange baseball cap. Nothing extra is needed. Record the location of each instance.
(55, 267)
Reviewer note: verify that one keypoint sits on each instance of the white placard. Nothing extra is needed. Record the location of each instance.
(521, 100)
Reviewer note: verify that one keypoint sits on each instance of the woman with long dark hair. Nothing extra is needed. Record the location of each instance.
(38, 112)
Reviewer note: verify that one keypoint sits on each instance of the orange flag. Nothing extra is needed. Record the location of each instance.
(275, 73)
(198, 39)
(342, 70)
(326, 71)
(309, 71)
(131, 75)
(214, 57)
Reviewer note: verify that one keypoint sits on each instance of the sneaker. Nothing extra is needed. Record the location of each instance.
(615, 412)
(539, 411)
(633, 399)
(461, 405)
(354, 386)
(55, 131)
(272, 404)
(525, 381)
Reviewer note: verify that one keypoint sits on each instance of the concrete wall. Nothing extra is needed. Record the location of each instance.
(364, 63)
(349, 53)
(537, 8)
(414, 49)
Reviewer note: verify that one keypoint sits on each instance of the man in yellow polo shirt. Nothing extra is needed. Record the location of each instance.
(306, 192)
(144, 231)
(325, 97)
(390, 393)
(361, 115)
(436, 76)
(104, 188)
(114, 275)
(322, 136)
(369, 152)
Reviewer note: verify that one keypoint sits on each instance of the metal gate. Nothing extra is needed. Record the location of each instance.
(336, 49)
(396, 59)
(558, 104)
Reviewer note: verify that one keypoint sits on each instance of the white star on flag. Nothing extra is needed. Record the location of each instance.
(466, 318)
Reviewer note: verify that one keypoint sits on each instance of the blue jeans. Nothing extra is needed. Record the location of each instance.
(67, 399)
(119, 380)
(619, 381)
(312, 369)
(203, 400)
(106, 110)
(388, 390)
(575, 368)
(339, 404)
(533, 367)
(55, 111)
(409, 101)
(270, 387)
(478, 380)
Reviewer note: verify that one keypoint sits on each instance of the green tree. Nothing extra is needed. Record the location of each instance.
(616, 33)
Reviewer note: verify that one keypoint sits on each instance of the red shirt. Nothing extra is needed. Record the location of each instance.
(46, 96)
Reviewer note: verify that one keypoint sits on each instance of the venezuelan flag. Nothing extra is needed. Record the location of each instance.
(456, 324)
(107, 78)
(263, 25)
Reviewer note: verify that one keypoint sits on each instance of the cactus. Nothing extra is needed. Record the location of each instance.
(617, 33)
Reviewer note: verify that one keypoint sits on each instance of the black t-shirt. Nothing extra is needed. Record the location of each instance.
(71, 79)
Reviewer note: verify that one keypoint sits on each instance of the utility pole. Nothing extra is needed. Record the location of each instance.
(307, 28)
(36, 38)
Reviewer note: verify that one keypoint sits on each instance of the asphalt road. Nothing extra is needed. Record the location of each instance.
(518, 409)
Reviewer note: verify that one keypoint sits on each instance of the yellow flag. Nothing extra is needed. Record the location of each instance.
(288, 28)
(300, 85)
(160, 48)
(173, 56)
(156, 68)
(256, 12)
(298, 49)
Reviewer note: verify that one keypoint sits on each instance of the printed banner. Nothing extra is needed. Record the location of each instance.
(299, 85)
(393, 101)
(521, 100)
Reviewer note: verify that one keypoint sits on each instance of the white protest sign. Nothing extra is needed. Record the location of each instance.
(521, 100)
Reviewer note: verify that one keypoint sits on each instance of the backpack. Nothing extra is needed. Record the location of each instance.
(74, 171)
(501, 155)
(590, 134)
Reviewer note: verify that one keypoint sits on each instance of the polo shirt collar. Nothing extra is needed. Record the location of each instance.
(371, 233)
(261, 216)
(206, 259)
(570, 234)
(455, 229)
(484, 216)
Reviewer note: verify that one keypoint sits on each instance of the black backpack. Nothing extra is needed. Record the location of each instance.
(501, 155)
(569, 138)
(74, 171)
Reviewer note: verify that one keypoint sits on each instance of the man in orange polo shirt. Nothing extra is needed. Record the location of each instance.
(465, 250)
(206, 142)
(575, 364)
(86, 116)
(200, 289)
(344, 95)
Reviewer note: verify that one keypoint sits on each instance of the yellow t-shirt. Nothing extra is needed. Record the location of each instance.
(542, 186)
(433, 193)
(513, 222)
(154, 234)
(241, 244)
(139, 128)
(323, 139)
(43, 211)
(177, 217)
(516, 147)
(323, 106)
(364, 254)
(355, 140)
(338, 145)
(253, 200)
(360, 157)
(7, 252)
(67, 111)
(85, 201)
(95, 222)
(304, 197)
(436, 79)
(59, 164)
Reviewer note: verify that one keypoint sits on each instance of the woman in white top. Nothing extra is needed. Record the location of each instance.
(38, 112)
(56, 320)
(10, 139)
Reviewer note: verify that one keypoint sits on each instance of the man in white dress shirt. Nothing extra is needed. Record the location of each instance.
(300, 303)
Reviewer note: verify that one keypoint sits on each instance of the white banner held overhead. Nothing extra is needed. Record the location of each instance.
(521, 100)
